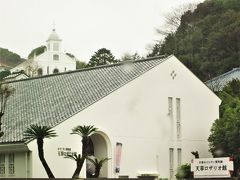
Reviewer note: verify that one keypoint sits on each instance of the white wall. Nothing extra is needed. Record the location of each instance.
(46, 60)
(22, 166)
(137, 116)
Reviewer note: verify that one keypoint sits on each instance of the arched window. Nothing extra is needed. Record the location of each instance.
(55, 71)
(40, 72)
(55, 57)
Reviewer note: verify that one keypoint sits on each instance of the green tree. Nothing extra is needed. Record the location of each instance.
(173, 19)
(184, 172)
(37, 51)
(207, 46)
(80, 65)
(224, 139)
(131, 57)
(79, 163)
(4, 74)
(39, 133)
(5, 92)
(98, 165)
(155, 49)
(102, 57)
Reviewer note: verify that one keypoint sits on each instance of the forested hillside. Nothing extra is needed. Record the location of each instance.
(9, 58)
(207, 40)
(37, 51)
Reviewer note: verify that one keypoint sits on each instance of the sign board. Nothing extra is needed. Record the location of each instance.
(65, 151)
(212, 167)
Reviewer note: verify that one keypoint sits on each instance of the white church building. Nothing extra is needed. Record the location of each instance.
(53, 60)
(156, 109)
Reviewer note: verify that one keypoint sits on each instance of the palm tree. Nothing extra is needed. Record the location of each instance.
(39, 133)
(85, 132)
(79, 162)
(98, 165)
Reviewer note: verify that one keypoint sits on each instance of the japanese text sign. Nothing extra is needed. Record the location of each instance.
(212, 167)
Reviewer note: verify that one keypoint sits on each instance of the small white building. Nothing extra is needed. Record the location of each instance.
(53, 60)
(156, 108)
(16, 76)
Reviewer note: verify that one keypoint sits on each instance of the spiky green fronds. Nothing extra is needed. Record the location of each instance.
(75, 157)
(99, 162)
(38, 132)
(84, 130)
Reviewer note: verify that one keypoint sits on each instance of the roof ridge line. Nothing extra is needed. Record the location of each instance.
(222, 75)
(88, 69)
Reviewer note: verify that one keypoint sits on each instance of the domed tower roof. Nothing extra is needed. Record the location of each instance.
(54, 36)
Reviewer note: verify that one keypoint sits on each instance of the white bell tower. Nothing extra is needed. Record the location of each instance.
(54, 43)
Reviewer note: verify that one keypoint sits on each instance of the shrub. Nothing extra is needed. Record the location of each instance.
(184, 172)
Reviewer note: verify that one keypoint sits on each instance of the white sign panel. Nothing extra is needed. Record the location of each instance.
(212, 167)
(65, 151)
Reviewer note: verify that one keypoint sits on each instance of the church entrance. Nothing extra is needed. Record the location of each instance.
(101, 145)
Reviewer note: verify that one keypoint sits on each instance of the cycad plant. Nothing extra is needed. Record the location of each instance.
(85, 132)
(79, 163)
(98, 165)
(39, 133)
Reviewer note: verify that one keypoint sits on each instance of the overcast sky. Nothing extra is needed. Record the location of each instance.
(122, 26)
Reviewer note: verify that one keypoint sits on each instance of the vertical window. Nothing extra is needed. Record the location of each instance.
(179, 155)
(65, 69)
(55, 57)
(170, 114)
(2, 164)
(11, 169)
(55, 47)
(48, 70)
(170, 107)
(178, 113)
(171, 161)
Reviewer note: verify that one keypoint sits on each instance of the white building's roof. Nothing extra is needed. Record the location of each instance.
(52, 99)
(16, 76)
(218, 83)
(53, 36)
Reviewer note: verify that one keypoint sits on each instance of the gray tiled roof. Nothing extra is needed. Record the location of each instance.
(14, 75)
(219, 82)
(49, 100)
